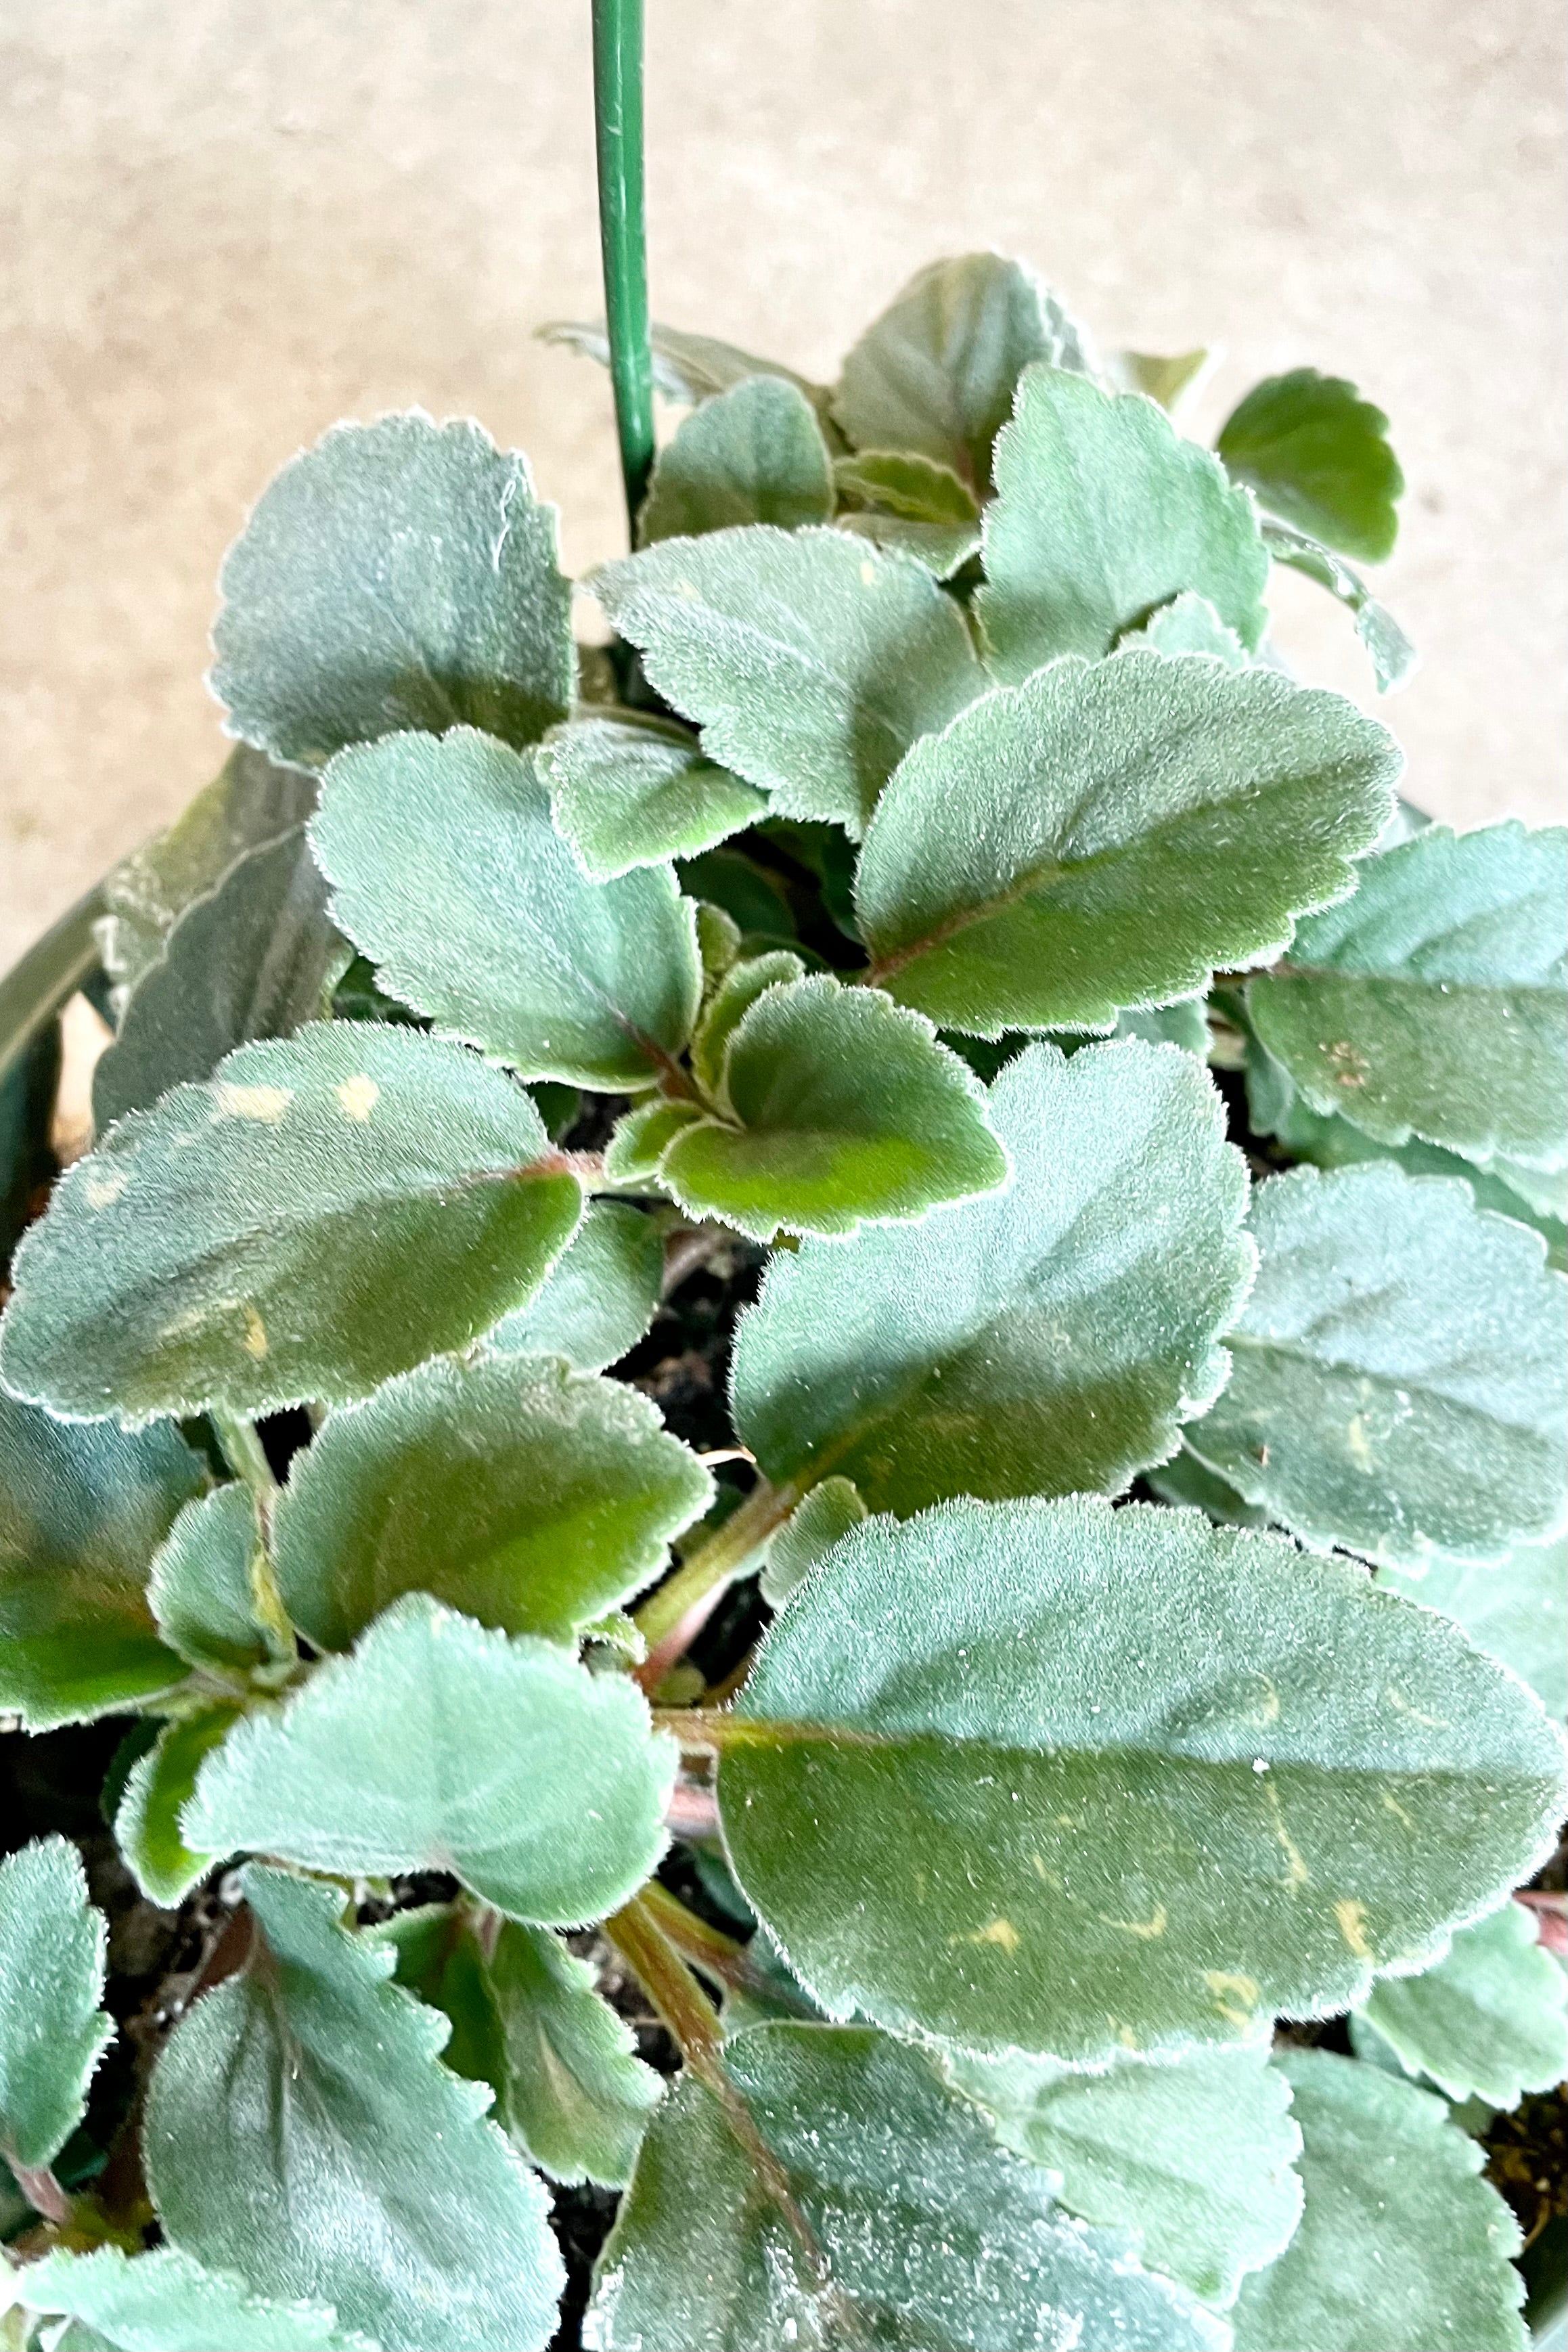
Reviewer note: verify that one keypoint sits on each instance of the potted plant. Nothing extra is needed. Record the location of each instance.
(792, 1472)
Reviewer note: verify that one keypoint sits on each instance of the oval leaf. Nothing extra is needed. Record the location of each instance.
(200, 1587)
(753, 454)
(630, 793)
(1490, 2022)
(147, 1820)
(1318, 455)
(53, 1945)
(599, 1296)
(578, 2096)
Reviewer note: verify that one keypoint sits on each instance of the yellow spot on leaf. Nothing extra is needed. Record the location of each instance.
(1049, 1877)
(1297, 1874)
(995, 1931)
(1349, 1064)
(1154, 1925)
(1127, 2038)
(1268, 1709)
(1235, 1996)
(1352, 1918)
(264, 1103)
(1356, 1437)
(1393, 1805)
(1401, 1705)
(101, 1189)
(359, 1097)
(255, 1334)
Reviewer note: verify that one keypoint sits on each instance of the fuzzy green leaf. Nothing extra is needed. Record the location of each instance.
(753, 454)
(441, 1746)
(1188, 625)
(1399, 1383)
(1392, 656)
(167, 2301)
(1518, 1612)
(630, 793)
(1489, 2021)
(1318, 455)
(599, 1297)
(1046, 1339)
(898, 500)
(439, 1958)
(747, 979)
(300, 2131)
(637, 1141)
(449, 872)
(1196, 2157)
(398, 574)
(936, 372)
(328, 1210)
(200, 1588)
(1102, 512)
(1048, 1776)
(82, 1511)
(1435, 1003)
(927, 2237)
(810, 661)
(578, 2096)
(838, 1110)
(809, 1533)
(1401, 2245)
(52, 2030)
(253, 960)
(687, 367)
(1109, 833)
(527, 1495)
(147, 1820)
(1184, 1479)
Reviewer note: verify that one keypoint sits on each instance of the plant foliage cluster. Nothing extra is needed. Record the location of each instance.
(941, 882)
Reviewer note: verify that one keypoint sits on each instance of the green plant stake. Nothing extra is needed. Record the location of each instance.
(623, 236)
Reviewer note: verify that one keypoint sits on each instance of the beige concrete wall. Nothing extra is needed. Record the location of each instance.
(228, 221)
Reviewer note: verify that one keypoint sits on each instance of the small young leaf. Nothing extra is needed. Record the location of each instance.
(1108, 834)
(637, 1140)
(200, 1590)
(1394, 658)
(440, 1746)
(599, 1297)
(1318, 455)
(82, 1511)
(1435, 1003)
(300, 2131)
(527, 1495)
(897, 500)
(987, 1780)
(167, 2301)
(753, 454)
(1400, 2242)
(828, 1511)
(1188, 625)
(52, 2032)
(848, 1111)
(578, 2096)
(1518, 1612)
(1195, 2157)
(686, 368)
(398, 574)
(630, 793)
(1489, 2021)
(1399, 1381)
(448, 870)
(1102, 512)
(254, 959)
(810, 662)
(147, 1819)
(923, 2232)
(328, 1210)
(1169, 381)
(936, 373)
(1045, 1339)
(747, 980)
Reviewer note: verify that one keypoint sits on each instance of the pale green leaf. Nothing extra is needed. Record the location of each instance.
(1188, 625)
(1399, 1380)
(1318, 455)
(1196, 2157)
(599, 1297)
(165, 2301)
(810, 661)
(1518, 1612)
(1490, 2019)
(441, 1746)
(52, 2030)
(254, 959)
(1184, 1479)
(935, 374)
(634, 792)
(747, 979)
(448, 869)
(1048, 1776)
(811, 1531)
(912, 504)
(1170, 381)
(147, 1820)
(201, 1587)
(1102, 512)
(398, 574)
(1183, 1024)
(1401, 2248)
(578, 2096)
(839, 1109)
(300, 2131)
(1049, 1338)
(637, 1141)
(925, 2236)
(1108, 834)
(328, 1210)
(1435, 1003)
(687, 367)
(511, 1487)
(753, 454)
(1394, 658)
(441, 1959)
(82, 1511)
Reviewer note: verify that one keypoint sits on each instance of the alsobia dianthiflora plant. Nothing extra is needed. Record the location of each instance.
(940, 882)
